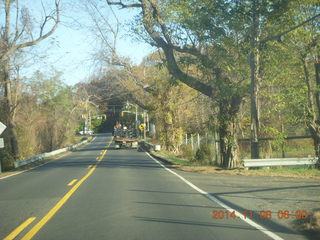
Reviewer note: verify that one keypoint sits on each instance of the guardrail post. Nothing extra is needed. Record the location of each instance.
(191, 142)
(157, 147)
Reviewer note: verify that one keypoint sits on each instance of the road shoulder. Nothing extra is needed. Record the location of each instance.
(260, 194)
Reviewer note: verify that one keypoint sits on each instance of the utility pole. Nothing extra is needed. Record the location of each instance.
(89, 122)
(255, 80)
(136, 120)
(145, 126)
(145, 116)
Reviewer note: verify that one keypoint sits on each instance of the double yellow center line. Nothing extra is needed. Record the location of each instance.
(33, 231)
(19, 229)
(99, 159)
(56, 208)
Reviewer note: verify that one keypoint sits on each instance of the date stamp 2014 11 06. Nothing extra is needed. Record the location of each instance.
(263, 214)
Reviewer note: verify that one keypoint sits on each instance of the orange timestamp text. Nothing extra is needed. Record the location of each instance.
(263, 214)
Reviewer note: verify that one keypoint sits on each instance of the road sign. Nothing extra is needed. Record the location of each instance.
(2, 127)
(1, 143)
(142, 126)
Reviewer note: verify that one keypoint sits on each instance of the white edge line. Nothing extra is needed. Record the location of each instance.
(214, 199)
(14, 174)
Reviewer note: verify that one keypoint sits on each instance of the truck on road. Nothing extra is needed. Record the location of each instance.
(124, 137)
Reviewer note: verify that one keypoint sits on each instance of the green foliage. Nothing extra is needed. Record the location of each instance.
(171, 108)
(222, 32)
(292, 171)
(203, 155)
(97, 124)
(187, 152)
(279, 136)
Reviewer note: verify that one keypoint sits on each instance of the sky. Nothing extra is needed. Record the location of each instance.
(71, 48)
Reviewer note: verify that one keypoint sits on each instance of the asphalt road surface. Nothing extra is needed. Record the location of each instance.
(99, 192)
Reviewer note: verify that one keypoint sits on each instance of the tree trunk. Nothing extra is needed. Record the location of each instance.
(10, 109)
(255, 82)
(255, 119)
(313, 118)
(317, 76)
(315, 134)
(229, 151)
(315, 131)
(228, 145)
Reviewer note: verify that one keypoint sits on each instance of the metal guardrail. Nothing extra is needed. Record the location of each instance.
(43, 156)
(270, 162)
(148, 146)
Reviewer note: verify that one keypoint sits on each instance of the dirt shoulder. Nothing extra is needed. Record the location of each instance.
(263, 172)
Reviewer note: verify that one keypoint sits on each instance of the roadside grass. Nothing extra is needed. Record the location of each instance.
(76, 139)
(289, 153)
(288, 171)
(291, 148)
(171, 158)
(300, 170)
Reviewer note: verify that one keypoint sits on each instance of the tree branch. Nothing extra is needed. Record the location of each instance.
(152, 20)
(41, 37)
(156, 15)
(168, 48)
(276, 37)
(120, 3)
(17, 19)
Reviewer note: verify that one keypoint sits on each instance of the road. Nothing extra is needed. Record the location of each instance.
(99, 192)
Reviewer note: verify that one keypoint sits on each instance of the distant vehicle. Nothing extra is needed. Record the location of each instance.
(123, 138)
(87, 132)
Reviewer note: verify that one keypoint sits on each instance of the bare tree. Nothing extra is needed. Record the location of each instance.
(118, 78)
(106, 29)
(14, 37)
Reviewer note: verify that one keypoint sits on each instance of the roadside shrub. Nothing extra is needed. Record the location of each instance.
(7, 160)
(203, 155)
(187, 152)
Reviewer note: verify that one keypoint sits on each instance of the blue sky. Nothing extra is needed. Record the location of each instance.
(72, 46)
